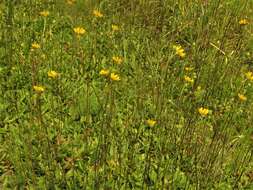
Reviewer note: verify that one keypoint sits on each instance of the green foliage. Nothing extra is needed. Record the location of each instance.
(126, 94)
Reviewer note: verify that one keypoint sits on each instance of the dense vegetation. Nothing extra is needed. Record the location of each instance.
(126, 94)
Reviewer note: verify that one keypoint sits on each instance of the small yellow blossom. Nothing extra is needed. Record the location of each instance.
(71, 2)
(188, 79)
(151, 122)
(104, 72)
(97, 14)
(53, 74)
(243, 22)
(179, 51)
(79, 30)
(203, 111)
(44, 13)
(39, 89)
(242, 97)
(188, 68)
(35, 45)
(249, 75)
(114, 77)
(115, 28)
(117, 60)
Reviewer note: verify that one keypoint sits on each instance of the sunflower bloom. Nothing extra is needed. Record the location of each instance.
(44, 13)
(179, 51)
(114, 77)
(38, 89)
(151, 122)
(104, 72)
(117, 60)
(97, 14)
(53, 74)
(79, 30)
(203, 111)
(242, 97)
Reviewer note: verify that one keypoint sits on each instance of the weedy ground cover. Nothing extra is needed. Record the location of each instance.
(109, 94)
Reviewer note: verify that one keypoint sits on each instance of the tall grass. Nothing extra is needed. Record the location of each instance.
(126, 94)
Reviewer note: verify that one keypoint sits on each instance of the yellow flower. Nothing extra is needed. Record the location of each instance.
(39, 89)
(203, 111)
(117, 60)
(249, 75)
(114, 77)
(242, 97)
(97, 14)
(243, 22)
(71, 2)
(35, 45)
(79, 30)
(53, 74)
(151, 122)
(179, 51)
(115, 27)
(188, 68)
(44, 13)
(104, 72)
(188, 79)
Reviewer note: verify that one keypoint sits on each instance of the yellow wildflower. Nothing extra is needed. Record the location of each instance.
(44, 13)
(97, 14)
(243, 22)
(179, 51)
(114, 77)
(35, 45)
(188, 68)
(188, 79)
(71, 2)
(242, 97)
(203, 111)
(117, 60)
(79, 30)
(39, 89)
(104, 72)
(151, 122)
(249, 75)
(115, 27)
(53, 74)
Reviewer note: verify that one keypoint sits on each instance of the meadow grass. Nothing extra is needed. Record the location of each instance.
(126, 94)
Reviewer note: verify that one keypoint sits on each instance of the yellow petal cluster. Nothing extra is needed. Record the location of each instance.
(114, 77)
(188, 79)
(38, 89)
(79, 30)
(104, 72)
(242, 97)
(179, 51)
(115, 28)
(118, 60)
(44, 13)
(203, 111)
(97, 14)
(243, 22)
(249, 75)
(35, 45)
(53, 74)
(151, 122)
